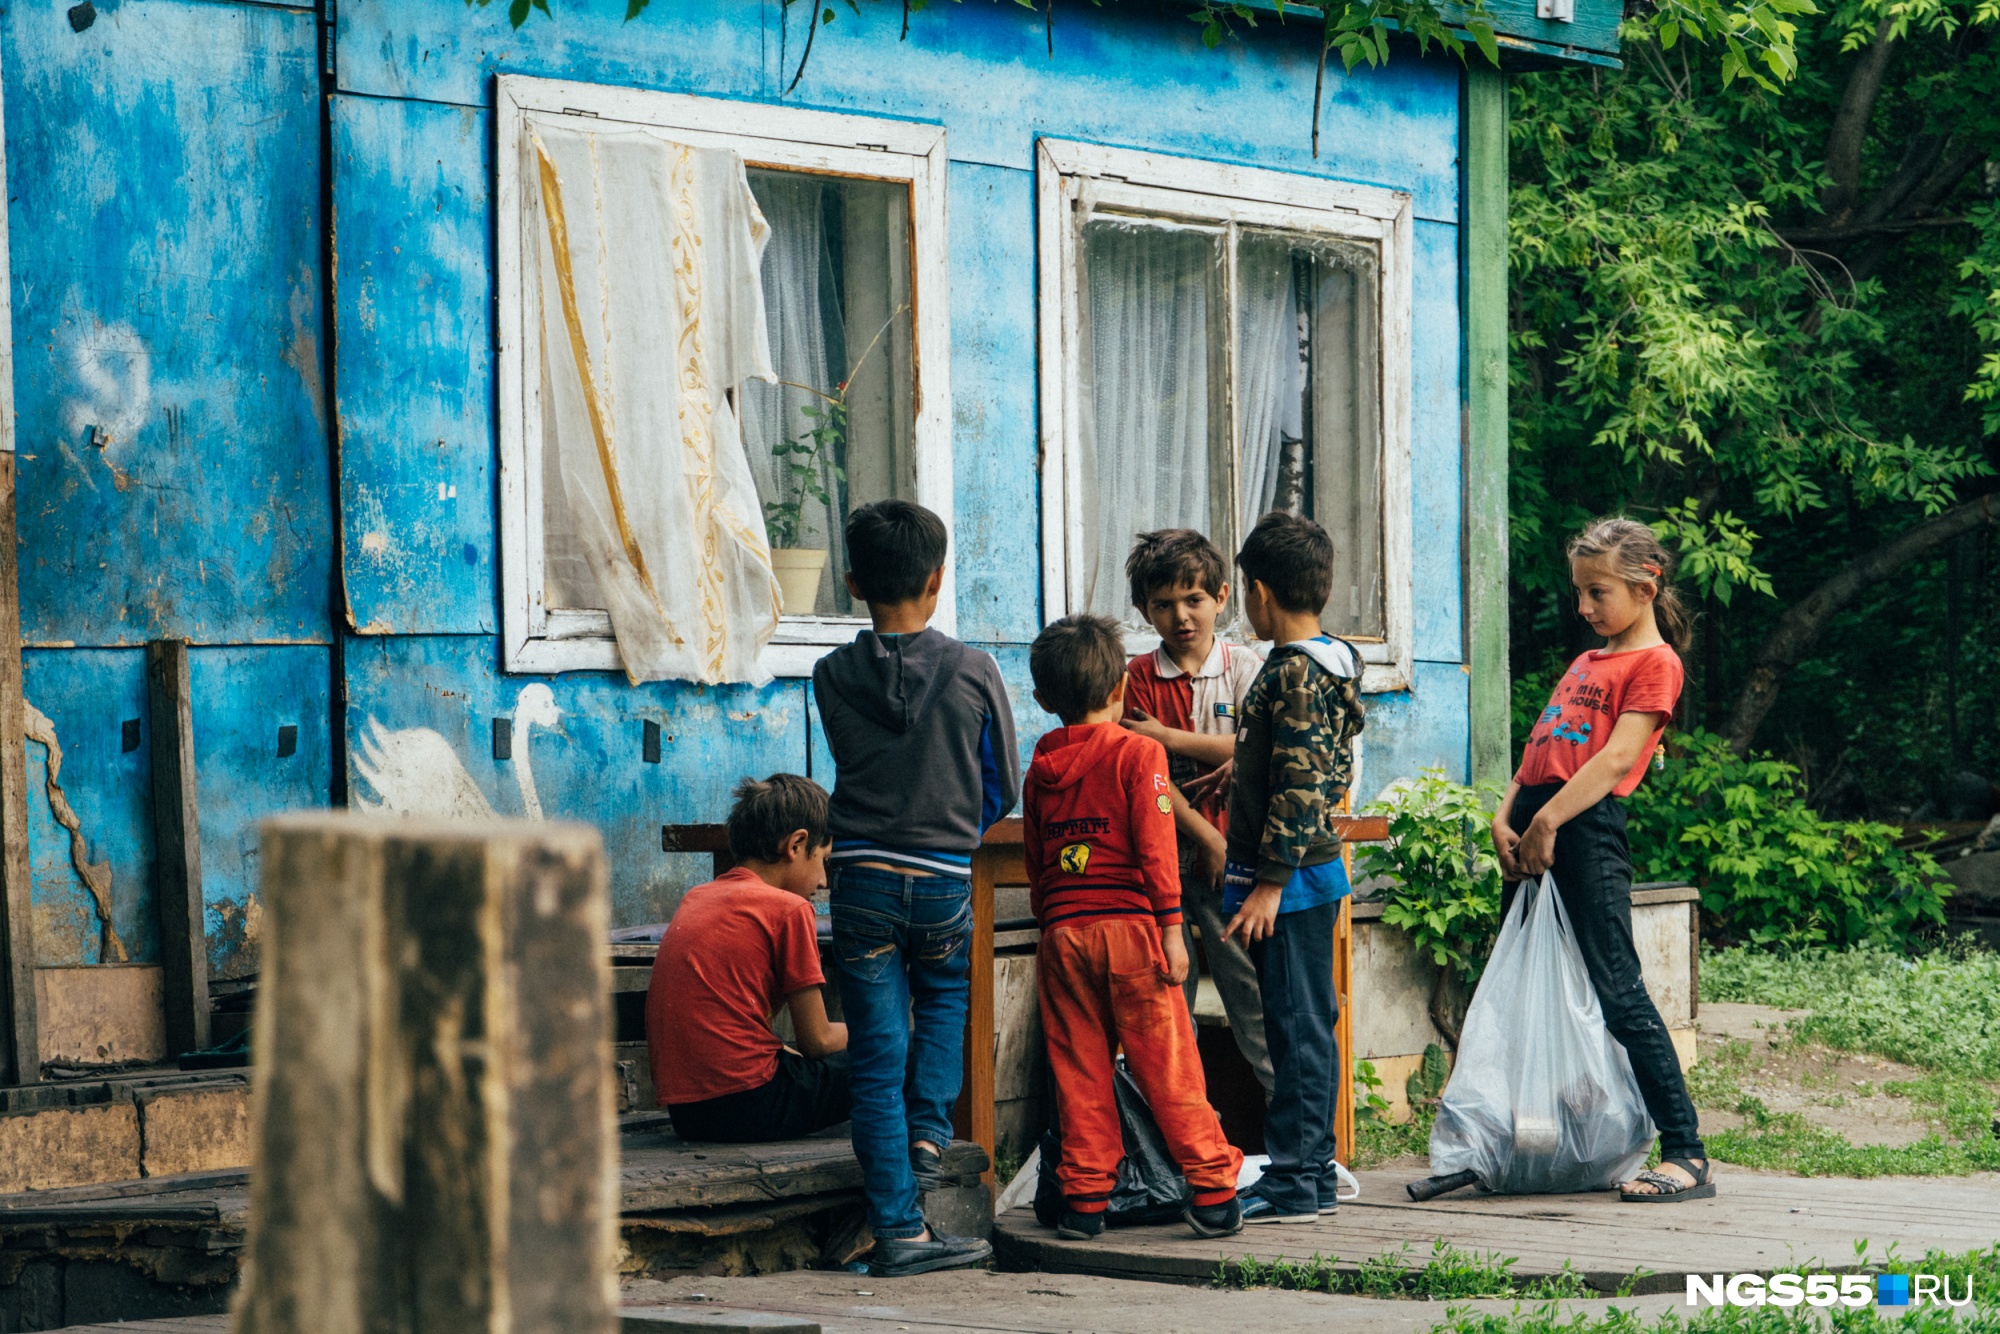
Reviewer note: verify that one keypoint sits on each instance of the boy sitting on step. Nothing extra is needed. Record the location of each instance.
(1104, 875)
(740, 948)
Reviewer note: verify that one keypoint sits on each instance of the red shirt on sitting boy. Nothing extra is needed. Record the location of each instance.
(739, 949)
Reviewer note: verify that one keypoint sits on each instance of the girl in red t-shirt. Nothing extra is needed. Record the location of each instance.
(1561, 813)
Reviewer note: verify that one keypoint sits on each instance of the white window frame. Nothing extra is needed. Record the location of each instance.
(1213, 192)
(539, 639)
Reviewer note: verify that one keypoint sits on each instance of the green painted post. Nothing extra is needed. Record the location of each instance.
(1484, 213)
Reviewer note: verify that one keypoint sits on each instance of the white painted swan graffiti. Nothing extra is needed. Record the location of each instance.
(415, 771)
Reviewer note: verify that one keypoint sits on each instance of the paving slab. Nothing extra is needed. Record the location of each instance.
(1758, 1222)
(981, 1302)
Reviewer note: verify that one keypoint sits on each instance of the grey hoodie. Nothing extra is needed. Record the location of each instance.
(922, 740)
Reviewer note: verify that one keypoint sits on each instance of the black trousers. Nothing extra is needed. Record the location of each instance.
(1593, 871)
(1295, 972)
(803, 1096)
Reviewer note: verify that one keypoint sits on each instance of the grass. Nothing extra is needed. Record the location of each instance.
(1447, 1274)
(1939, 1012)
(1981, 1267)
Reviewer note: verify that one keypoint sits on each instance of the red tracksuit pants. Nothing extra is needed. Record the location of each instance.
(1102, 985)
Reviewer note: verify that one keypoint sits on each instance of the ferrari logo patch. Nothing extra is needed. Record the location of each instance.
(1166, 806)
(1076, 858)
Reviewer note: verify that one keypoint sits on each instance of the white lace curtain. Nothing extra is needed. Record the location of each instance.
(651, 309)
(1270, 379)
(796, 313)
(1146, 435)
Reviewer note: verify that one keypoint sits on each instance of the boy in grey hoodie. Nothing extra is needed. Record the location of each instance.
(924, 760)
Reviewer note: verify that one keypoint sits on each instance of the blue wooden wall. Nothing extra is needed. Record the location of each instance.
(174, 474)
(165, 176)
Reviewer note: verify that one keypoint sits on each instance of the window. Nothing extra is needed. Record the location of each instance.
(1219, 342)
(853, 273)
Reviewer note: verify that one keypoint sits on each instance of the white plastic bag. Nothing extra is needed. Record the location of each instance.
(1541, 1098)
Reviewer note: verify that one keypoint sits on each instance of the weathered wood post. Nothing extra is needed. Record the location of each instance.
(432, 1107)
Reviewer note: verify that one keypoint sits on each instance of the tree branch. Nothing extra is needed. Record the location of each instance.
(1800, 626)
(1850, 124)
(1919, 157)
(1806, 235)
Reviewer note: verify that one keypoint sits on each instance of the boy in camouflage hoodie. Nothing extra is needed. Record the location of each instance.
(1286, 877)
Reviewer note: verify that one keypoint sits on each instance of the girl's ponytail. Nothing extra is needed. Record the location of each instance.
(1638, 557)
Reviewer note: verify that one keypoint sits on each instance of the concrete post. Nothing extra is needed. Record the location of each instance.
(432, 1107)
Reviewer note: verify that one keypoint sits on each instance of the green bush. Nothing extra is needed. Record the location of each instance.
(1444, 880)
(1770, 870)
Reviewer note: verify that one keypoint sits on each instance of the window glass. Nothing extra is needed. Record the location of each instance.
(1153, 432)
(1176, 433)
(1308, 406)
(837, 430)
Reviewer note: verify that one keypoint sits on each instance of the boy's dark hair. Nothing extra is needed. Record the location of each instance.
(892, 547)
(1293, 557)
(1173, 558)
(1077, 663)
(768, 811)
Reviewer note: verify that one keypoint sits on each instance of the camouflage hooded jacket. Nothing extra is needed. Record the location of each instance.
(1294, 758)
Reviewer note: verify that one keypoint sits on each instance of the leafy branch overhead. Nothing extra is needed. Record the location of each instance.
(1756, 37)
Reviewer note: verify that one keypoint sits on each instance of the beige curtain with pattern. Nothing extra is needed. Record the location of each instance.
(651, 312)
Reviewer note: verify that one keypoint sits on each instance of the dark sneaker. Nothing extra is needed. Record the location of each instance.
(1080, 1227)
(900, 1258)
(1257, 1209)
(928, 1165)
(1215, 1220)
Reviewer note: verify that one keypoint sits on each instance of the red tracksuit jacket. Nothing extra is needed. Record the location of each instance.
(1098, 829)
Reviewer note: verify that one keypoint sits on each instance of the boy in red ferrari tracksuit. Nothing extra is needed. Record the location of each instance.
(1104, 872)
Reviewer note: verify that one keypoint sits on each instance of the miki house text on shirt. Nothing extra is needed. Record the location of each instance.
(1856, 1290)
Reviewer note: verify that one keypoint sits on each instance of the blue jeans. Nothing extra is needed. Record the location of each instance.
(901, 946)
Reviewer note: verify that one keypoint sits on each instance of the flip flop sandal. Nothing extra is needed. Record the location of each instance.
(1670, 1190)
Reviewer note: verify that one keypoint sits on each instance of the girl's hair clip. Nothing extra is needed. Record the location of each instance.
(1651, 569)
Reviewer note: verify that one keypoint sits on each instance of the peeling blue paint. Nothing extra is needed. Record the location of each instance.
(88, 694)
(414, 365)
(165, 181)
(590, 767)
(240, 698)
(164, 228)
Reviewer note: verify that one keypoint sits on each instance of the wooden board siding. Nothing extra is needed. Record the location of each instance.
(165, 253)
(224, 529)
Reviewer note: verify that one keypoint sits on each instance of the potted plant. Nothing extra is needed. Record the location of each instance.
(805, 467)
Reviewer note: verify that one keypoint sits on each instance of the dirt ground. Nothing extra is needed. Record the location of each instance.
(1745, 1046)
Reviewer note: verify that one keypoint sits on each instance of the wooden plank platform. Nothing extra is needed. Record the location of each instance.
(1759, 1222)
(659, 1172)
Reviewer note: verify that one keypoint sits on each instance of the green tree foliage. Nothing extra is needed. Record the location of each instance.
(1770, 324)
(1771, 871)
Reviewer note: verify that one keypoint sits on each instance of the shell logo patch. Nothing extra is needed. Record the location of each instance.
(1076, 858)
(1166, 807)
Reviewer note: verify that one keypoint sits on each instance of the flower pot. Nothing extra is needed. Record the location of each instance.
(798, 570)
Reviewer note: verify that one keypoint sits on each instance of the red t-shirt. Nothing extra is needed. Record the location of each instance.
(1207, 702)
(736, 948)
(1097, 829)
(1596, 689)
